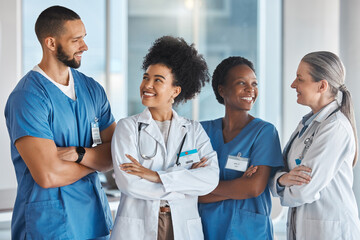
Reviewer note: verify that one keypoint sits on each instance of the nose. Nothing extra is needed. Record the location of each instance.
(293, 84)
(149, 84)
(250, 88)
(83, 47)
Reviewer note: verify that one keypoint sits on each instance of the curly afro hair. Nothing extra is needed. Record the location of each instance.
(221, 71)
(188, 67)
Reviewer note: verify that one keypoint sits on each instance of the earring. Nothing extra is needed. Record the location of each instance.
(172, 101)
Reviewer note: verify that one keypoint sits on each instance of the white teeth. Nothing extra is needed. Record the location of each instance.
(149, 94)
(247, 98)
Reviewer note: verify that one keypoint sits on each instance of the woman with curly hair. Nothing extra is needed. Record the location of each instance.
(241, 202)
(162, 161)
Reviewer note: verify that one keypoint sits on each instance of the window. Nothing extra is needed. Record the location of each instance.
(119, 34)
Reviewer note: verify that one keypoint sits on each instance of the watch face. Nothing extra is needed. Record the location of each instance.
(80, 150)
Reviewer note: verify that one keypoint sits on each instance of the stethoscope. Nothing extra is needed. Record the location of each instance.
(307, 143)
(151, 156)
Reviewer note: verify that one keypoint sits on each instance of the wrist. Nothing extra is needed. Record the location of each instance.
(278, 181)
(81, 152)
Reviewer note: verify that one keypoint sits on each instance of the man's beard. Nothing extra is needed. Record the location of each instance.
(64, 58)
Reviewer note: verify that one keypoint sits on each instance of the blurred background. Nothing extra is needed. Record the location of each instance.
(273, 34)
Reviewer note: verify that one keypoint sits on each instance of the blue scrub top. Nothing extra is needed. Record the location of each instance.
(38, 108)
(248, 218)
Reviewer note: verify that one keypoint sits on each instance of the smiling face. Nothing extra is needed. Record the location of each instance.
(157, 90)
(70, 43)
(307, 89)
(240, 90)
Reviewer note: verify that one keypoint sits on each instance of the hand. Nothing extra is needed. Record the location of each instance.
(67, 153)
(135, 168)
(200, 164)
(250, 171)
(297, 176)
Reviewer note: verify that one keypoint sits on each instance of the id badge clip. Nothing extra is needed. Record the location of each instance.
(95, 132)
(189, 157)
(237, 163)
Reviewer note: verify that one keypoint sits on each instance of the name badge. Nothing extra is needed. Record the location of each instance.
(95, 132)
(189, 157)
(237, 163)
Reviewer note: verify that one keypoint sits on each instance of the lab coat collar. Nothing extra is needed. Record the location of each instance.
(178, 128)
(146, 118)
(326, 111)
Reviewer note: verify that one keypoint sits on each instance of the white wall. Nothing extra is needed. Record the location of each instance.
(308, 26)
(10, 69)
(350, 54)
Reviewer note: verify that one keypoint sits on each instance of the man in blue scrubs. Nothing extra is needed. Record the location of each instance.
(60, 125)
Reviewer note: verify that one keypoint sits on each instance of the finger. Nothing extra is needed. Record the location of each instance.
(126, 165)
(249, 173)
(297, 178)
(202, 163)
(301, 174)
(251, 169)
(132, 169)
(303, 168)
(254, 169)
(203, 159)
(196, 165)
(132, 159)
(305, 176)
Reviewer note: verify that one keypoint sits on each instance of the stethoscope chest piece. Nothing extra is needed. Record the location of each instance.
(146, 142)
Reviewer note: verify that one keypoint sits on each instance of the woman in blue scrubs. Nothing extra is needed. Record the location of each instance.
(240, 206)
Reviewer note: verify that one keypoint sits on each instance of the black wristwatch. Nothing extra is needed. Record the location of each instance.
(81, 152)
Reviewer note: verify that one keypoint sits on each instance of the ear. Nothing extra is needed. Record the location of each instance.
(177, 91)
(221, 90)
(49, 43)
(323, 86)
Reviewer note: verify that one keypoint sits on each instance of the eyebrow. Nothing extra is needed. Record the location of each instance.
(245, 78)
(78, 37)
(160, 76)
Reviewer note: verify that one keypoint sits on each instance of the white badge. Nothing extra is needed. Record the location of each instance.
(95, 132)
(237, 163)
(189, 157)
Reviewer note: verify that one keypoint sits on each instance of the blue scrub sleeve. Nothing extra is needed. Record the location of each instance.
(106, 118)
(27, 114)
(266, 149)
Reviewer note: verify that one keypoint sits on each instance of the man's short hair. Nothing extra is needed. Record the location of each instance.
(51, 21)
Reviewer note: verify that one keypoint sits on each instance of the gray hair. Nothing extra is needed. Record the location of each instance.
(328, 66)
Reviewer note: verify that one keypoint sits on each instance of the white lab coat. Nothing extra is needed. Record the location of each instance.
(138, 212)
(326, 207)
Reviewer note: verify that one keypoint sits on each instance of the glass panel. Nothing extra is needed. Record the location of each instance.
(93, 63)
(231, 30)
(148, 21)
(225, 28)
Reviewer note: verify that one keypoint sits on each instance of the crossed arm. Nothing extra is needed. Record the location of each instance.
(250, 185)
(55, 167)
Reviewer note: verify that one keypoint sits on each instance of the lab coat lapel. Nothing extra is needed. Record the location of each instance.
(178, 129)
(151, 127)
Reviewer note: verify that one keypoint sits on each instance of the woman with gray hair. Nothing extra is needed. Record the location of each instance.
(317, 182)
